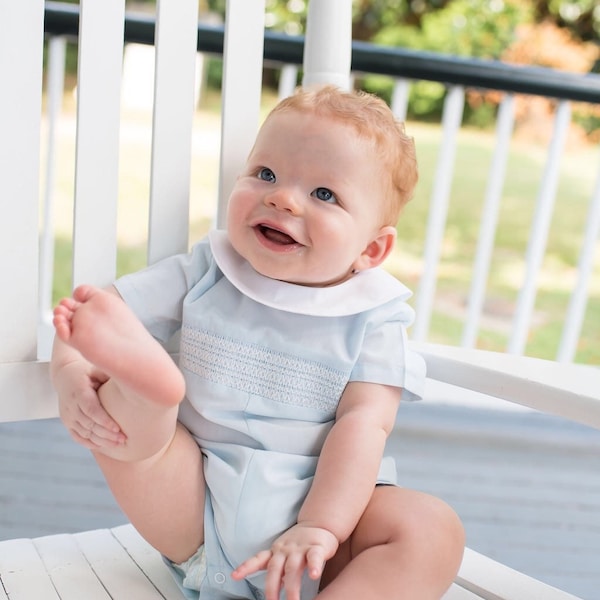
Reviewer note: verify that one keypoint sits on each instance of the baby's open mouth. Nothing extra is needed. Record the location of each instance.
(275, 236)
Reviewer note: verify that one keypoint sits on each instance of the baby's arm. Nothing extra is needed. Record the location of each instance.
(343, 485)
(76, 382)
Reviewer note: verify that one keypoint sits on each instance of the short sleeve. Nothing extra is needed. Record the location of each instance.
(385, 356)
(156, 293)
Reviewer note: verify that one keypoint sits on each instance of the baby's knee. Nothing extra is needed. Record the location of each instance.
(444, 521)
(424, 520)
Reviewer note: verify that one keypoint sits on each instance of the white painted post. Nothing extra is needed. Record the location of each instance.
(328, 43)
(288, 78)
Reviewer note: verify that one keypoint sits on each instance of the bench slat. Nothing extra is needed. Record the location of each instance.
(26, 392)
(68, 568)
(22, 572)
(120, 575)
(495, 581)
(567, 390)
(176, 42)
(459, 593)
(97, 154)
(242, 78)
(21, 35)
(148, 560)
(119, 564)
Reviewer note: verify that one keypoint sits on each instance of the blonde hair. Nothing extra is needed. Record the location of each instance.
(373, 120)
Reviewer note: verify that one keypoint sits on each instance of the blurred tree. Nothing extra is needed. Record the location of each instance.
(479, 28)
(580, 17)
(370, 16)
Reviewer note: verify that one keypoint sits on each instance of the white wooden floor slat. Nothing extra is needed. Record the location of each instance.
(68, 568)
(457, 592)
(118, 564)
(495, 581)
(22, 572)
(148, 560)
(119, 574)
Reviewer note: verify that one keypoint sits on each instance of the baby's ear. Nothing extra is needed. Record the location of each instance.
(377, 250)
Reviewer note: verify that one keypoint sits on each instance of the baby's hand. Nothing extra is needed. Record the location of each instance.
(301, 547)
(80, 409)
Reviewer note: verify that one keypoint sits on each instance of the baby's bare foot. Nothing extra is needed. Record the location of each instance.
(103, 328)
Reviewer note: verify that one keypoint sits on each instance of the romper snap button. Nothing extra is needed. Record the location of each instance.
(219, 578)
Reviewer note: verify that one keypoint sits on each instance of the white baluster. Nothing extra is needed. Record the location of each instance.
(536, 247)
(577, 304)
(400, 97)
(487, 231)
(438, 211)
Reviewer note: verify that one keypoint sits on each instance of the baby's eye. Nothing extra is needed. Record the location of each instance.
(324, 194)
(266, 175)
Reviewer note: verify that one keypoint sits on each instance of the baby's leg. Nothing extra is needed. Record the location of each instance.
(156, 475)
(407, 545)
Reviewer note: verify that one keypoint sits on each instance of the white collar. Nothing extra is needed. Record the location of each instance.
(362, 292)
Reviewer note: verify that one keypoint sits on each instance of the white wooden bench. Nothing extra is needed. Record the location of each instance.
(117, 563)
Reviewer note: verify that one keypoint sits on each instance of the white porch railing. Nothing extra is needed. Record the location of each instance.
(523, 313)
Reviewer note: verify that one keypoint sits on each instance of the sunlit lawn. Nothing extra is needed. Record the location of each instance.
(578, 171)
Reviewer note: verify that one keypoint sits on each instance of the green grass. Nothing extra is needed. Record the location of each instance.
(474, 154)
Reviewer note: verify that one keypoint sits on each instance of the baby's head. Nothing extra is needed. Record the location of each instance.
(322, 189)
(372, 120)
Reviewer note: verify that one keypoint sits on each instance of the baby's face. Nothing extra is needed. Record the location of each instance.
(308, 202)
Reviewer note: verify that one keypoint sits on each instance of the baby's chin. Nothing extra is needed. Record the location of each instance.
(321, 282)
(285, 274)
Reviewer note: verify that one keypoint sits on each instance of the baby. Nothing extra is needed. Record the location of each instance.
(256, 465)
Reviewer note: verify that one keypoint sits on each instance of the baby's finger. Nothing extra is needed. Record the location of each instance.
(315, 562)
(94, 411)
(258, 562)
(98, 435)
(292, 579)
(274, 579)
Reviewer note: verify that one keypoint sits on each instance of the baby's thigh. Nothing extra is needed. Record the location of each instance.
(163, 496)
